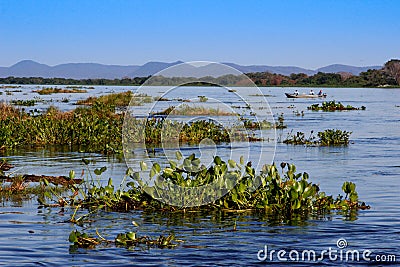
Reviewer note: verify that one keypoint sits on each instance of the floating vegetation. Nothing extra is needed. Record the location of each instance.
(333, 106)
(286, 194)
(202, 98)
(27, 178)
(265, 95)
(281, 122)
(334, 137)
(20, 188)
(79, 87)
(127, 239)
(329, 137)
(186, 110)
(27, 103)
(255, 125)
(118, 99)
(10, 86)
(4, 166)
(97, 129)
(55, 90)
(298, 113)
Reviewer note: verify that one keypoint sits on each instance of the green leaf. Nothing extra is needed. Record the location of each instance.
(178, 155)
(129, 172)
(97, 172)
(143, 166)
(187, 163)
(157, 167)
(241, 160)
(168, 171)
(135, 176)
(173, 164)
(196, 162)
(72, 237)
(217, 160)
(86, 161)
(232, 163)
(46, 183)
(131, 235)
(71, 174)
(152, 173)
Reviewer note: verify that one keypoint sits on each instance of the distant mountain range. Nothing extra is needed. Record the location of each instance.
(29, 68)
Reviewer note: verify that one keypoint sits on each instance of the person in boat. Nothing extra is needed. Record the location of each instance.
(296, 92)
(320, 93)
(311, 92)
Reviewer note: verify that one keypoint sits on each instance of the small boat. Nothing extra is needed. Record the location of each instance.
(304, 96)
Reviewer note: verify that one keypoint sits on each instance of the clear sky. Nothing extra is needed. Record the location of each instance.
(308, 34)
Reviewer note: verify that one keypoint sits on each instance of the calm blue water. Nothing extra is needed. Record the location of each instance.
(371, 161)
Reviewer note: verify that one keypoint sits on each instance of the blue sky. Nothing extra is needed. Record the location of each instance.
(308, 34)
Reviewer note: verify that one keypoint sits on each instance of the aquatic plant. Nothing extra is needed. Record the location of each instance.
(203, 98)
(255, 125)
(280, 124)
(187, 110)
(329, 137)
(55, 90)
(269, 191)
(98, 129)
(122, 99)
(27, 103)
(127, 239)
(333, 106)
(333, 137)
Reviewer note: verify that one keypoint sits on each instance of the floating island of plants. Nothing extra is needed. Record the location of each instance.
(274, 190)
(55, 90)
(122, 99)
(333, 106)
(329, 137)
(98, 128)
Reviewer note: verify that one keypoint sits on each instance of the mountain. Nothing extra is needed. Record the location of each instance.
(29, 68)
(285, 70)
(335, 68)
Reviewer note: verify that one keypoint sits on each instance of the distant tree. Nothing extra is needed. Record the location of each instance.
(392, 68)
